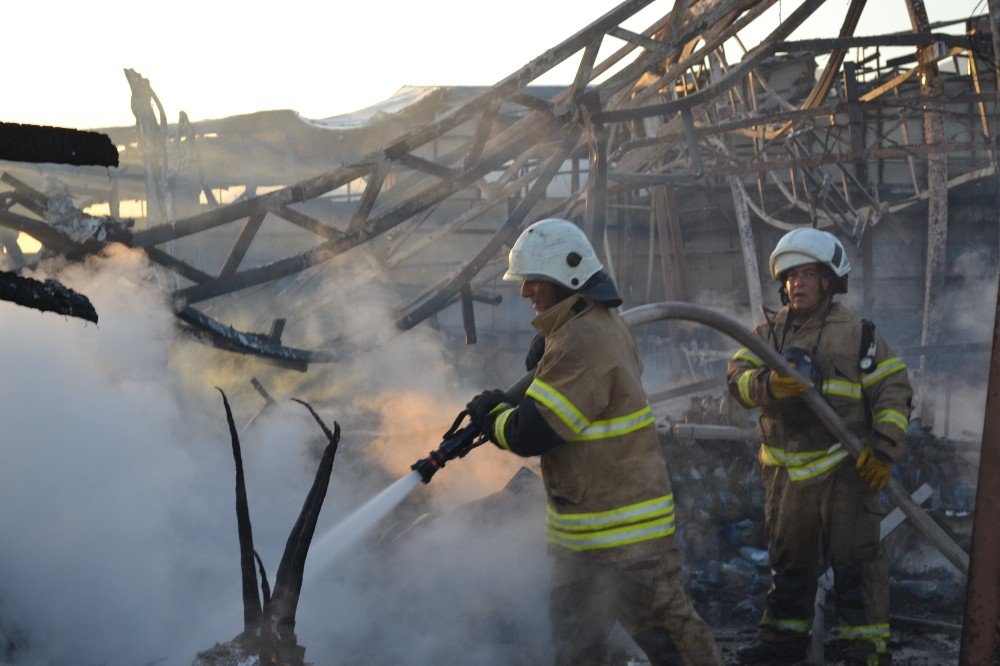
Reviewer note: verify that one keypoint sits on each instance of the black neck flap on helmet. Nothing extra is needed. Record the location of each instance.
(601, 288)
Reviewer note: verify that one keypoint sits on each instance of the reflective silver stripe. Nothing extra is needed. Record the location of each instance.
(794, 625)
(849, 633)
(815, 469)
(883, 370)
(743, 384)
(892, 416)
(616, 427)
(622, 536)
(780, 457)
(842, 388)
(746, 355)
(878, 634)
(559, 404)
(802, 465)
(498, 428)
(654, 508)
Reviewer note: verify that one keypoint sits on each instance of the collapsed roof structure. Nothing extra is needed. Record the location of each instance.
(666, 113)
(683, 162)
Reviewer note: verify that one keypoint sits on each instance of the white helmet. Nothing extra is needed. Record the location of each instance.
(806, 245)
(555, 250)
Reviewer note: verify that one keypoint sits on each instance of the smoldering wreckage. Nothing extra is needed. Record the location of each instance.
(685, 156)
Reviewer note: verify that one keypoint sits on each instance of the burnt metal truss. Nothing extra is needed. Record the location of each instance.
(666, 107)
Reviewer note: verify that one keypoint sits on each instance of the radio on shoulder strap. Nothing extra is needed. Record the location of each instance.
(866, 354)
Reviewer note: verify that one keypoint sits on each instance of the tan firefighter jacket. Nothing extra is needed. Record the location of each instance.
(872, 402)
(607, 485)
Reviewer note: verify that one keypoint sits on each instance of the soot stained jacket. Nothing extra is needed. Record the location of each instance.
(587, 415)
(876, 401)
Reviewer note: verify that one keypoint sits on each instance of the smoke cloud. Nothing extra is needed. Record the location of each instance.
(117, 503)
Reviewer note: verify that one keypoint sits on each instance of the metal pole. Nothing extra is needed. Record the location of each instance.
(937, 202)
(749, 249)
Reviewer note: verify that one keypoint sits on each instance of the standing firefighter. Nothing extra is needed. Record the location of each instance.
(610, 520)
(816, 496)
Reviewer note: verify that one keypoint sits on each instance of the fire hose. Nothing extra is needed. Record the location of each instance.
(459, 441)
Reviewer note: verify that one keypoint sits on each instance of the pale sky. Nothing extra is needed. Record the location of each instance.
(216, 58)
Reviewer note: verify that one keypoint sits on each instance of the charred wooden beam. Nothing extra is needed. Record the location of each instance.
(230, 339)
(826, 79)
(59, 145)
(902, 39)
(596, 214)
(468, 315)
(308, 223)
(478, 139)
(182, 268)
(635, 38)
(242, 244)
(26, 195)
(372, 188)
(376, 226)
(45, 234)
(785, 163)
(529, 101)
(427, 166)
(448, 288)
(307, 189)
(586, 67)
(702, 386)
(47, 296)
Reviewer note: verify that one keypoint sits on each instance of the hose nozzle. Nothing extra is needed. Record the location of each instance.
(457, 442)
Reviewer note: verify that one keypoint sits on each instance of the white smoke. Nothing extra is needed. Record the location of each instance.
(117, 501)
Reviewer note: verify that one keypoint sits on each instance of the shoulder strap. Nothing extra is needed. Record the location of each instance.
(866, 352)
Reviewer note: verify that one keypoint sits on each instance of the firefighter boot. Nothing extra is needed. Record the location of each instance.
(785, 653)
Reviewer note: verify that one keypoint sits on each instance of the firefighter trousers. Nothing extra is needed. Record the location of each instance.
(646, 595)
(834, 519)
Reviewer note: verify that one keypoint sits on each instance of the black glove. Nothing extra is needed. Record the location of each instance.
(479, 408)
(535, 352)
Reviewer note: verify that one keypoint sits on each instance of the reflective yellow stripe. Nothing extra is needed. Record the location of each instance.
(743, 384)
(746, 355)
(842, 388)
(651, 519)
(815, 469)
(633, 513)
(898, 419)
(782, 458)
(878, 634)
(584, 430)
(794, 625)
(616, 427)
(883, 370)
(864, 632)
(621, 536)
(560, 406)
(498, 428)
(802, 465)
